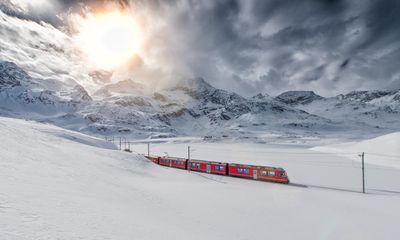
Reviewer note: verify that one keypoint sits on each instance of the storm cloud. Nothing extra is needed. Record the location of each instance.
(270, 46)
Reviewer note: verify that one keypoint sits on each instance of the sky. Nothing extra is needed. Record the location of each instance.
(253, 46)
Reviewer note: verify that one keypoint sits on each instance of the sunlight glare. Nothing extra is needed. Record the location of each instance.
(109, 39)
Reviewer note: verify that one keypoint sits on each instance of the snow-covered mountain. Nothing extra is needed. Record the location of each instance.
(374, 108)
(22, 94)
(191, 108)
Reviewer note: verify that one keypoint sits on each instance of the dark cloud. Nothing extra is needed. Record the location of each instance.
(251, 46)
(308, 44)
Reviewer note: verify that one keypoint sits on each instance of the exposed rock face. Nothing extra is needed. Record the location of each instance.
(295, 98)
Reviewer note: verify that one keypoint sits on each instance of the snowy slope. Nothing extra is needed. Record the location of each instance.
(383, 150)
(57, 184)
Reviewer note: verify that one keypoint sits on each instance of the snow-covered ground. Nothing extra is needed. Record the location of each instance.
(58, 184)
(383, 150)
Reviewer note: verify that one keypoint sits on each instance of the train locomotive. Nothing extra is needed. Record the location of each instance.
(262, 173)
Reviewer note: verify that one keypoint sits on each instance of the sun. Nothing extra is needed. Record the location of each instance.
(109, 39)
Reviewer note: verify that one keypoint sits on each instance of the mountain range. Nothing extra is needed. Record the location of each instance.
(194, 108)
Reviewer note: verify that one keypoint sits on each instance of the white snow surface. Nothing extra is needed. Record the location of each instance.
(383, 150)
(58, 184)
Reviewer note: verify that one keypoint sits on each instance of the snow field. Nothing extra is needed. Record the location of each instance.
(58, 184)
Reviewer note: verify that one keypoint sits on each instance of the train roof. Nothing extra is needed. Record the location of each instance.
(205, 161)
(174, 158)
(254, 166)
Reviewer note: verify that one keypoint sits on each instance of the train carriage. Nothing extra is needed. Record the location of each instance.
(173, 162)
(208, 167)
(164, 161)
(258, 173)
(154, 159)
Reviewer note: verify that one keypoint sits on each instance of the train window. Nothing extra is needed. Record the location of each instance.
(246, 171)
(219, 168)
(271, 173)
(196, 165)
(264, 173)
(240, 170)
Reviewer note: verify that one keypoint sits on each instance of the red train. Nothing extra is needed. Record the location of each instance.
(262, 173)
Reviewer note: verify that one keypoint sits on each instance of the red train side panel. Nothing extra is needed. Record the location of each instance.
(173, 162)
(164, 161)
(198, 166)
(179, 163)
(209, 167)
(238, 170)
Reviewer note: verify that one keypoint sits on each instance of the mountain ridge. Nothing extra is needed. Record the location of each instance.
(191, 107)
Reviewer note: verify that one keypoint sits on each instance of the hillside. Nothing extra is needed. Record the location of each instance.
(58, 184)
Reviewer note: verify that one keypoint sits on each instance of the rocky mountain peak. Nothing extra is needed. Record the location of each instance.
(367, 96)
(298, 97)
(262, 97)
(11, 75)
(124, 86)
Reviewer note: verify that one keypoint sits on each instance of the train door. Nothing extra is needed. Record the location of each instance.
(170, 163)
(208, 168)
(254, 174)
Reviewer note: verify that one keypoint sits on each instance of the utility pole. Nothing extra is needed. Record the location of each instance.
(363, 171)
(120, 143)
(188, 162)
(148, 149)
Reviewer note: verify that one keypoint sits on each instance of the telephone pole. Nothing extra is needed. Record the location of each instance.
(148, 149)
(363, 171)
(188, 162)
